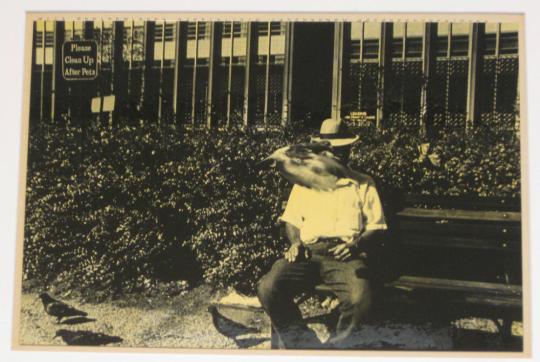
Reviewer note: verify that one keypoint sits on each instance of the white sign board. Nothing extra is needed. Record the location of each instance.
(108, 104)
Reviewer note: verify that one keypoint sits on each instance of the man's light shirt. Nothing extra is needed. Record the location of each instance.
(344, 212)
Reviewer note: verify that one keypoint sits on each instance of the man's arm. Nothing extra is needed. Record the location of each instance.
(293, 233)
(292, 218)
(297, 250)
(367, 239)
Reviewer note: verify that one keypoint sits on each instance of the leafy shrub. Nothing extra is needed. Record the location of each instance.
(137, 203)
(137, 207)
(482, 163)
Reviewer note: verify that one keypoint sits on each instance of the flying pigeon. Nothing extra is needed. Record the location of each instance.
(59, 309)
(86, 338)
(227, 327)
(311, 165)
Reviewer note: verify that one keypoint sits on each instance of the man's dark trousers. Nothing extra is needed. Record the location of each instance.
(348, 281)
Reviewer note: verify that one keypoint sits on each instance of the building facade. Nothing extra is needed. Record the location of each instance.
(225, 74)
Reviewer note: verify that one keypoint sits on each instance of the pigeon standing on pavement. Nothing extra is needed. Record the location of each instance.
(311, 165)
(227, 327)
(86, 338)
(59, 309)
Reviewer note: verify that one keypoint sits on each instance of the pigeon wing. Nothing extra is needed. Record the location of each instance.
(60, 309)
(315, 172)
(318, 147)
(306, 150)
(325, 172)
(297, 152)
(100, 339)
(296, 175)
(78, 340)
(322, 177)
(332, 166)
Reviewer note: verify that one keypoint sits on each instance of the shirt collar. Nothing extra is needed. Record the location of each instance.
(346, 182)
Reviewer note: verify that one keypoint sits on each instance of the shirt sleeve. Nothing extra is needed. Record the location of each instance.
(373, 211)
(293, 210)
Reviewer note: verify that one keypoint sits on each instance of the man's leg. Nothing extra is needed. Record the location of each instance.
(350, 284)
(276, 292)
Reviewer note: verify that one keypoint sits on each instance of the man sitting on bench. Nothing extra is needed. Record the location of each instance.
(329, 232)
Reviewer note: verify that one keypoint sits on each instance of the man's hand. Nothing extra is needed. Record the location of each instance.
(343, 252)
(297, 252)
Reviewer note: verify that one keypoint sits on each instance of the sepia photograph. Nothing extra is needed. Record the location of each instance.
(273, 183)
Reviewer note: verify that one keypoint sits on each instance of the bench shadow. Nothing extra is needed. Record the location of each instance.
(475, 340)
(78, 320)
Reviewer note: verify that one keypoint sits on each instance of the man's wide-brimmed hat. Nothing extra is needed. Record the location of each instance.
(335, 132)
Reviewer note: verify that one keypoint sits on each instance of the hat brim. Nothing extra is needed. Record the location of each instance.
(336, 142)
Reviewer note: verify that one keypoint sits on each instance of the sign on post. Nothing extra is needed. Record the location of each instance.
(79, 60)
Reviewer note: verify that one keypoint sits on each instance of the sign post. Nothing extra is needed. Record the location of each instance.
(79, 65)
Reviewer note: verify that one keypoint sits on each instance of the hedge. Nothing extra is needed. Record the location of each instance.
(127, 209)
(484, 162)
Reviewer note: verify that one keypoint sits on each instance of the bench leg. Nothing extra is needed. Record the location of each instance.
(505, 330)
(275, 342)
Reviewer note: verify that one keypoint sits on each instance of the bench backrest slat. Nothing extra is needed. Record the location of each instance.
(473, 286)
(449, 241)
(507, 216)
(463, 203)
(462, 228)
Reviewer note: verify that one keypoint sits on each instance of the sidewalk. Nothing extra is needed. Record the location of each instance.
(184, 322)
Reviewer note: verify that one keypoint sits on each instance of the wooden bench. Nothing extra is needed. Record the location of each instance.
(450, 258)
(461, 253)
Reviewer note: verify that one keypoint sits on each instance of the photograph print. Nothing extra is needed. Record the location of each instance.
(269, 183)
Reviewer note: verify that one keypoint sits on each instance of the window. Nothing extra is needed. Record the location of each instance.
(74, 30)
(490, 41)
(44, 42)
(508, 43)
(276, 38)
(443, 29)
(413, 42)
(413, 48)
(460, 39)
(133, 42)
(164, 42)
(397, 41)
(237, 44)
(357, 32)
(198, 42)
(460, 45)
(372, 34)
(103, 34)
(509, 38)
